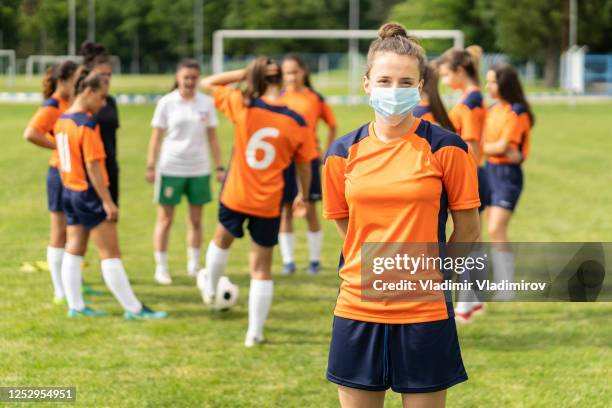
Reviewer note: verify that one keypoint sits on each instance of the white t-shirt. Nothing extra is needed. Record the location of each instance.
(185, 150)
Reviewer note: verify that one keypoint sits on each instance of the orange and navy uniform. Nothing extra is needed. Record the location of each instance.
(468, 116)
(78, 142)
(423, 111)
(313, 107)
(45, 117)
(267, 138)
(510, 122)
(394, 192)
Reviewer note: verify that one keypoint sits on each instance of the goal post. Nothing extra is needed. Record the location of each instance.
(220, 35)
(11, 69)
(38, 63)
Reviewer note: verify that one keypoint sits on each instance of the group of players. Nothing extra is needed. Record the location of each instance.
(395, 179)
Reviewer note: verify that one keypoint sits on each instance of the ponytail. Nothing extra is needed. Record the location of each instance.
(49, 82)
(55, 73)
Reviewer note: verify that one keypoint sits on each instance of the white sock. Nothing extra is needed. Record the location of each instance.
(193, 259)
(216, 259)
(71, 280)
(503, 265)
(54, 260)
(314, 245)
(286, 242)
(161, 259)
(260, 300)
(117, 281)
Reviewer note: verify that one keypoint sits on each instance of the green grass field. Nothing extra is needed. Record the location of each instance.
(517, 355)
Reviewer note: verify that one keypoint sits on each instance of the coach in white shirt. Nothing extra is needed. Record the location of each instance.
(186, 121)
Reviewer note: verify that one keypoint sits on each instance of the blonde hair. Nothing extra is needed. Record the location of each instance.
(393, 37)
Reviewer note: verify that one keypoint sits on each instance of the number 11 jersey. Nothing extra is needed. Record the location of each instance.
(267, 138)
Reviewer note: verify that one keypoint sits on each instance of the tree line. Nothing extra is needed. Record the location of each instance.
(150, 35)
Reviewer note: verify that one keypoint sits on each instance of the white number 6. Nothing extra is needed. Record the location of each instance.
(257, 143)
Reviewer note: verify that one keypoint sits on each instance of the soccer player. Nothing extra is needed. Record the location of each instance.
(431, 107)
(58, 89)
(506, 134)
(394, 180)
(184, 136)
(96, 59)
(88, 204)
(459, 70)
(300, 96)
(268, 136)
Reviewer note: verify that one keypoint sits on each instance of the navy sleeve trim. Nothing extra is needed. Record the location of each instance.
(473, 100)
(283, 110)
(341, 145)
(51, 102)
(81, 119)
(438, 137)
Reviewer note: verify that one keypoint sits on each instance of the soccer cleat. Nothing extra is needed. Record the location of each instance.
(162, 276)
(193, 273)
(314, 267)
(289, 268)
(478, 309)
(86, 312)
(144, 314)
(28, 267)
(252, 341)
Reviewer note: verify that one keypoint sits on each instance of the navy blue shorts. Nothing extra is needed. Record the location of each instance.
(505, 184)
(55, 190)
(408, 358)
(83, 208)
(264, 231)
(483, 189)
(290, 190)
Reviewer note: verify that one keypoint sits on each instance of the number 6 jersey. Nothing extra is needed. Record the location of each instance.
(267, 138)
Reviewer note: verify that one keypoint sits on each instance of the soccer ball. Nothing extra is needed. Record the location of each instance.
(226, 293)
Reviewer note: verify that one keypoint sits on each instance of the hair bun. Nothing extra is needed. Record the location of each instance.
(390, 30)
(90, 49)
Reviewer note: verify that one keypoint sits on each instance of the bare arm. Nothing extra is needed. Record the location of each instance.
(215, 150)
(35, 137)
(94, 170)
(331, 135)
(496, 148)
(304, 175)
(209, 83)
(157, 135)
(342, 226)
(466, 226)
(474, 147)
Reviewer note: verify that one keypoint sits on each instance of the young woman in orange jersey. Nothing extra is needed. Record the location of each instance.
(506, 135)
(459, 70)
(301, 97)
(394, 180)
(268, 136)
(431, 107)
(58, 89)
(88, 203)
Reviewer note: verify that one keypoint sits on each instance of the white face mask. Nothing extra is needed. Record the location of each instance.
(394, 104)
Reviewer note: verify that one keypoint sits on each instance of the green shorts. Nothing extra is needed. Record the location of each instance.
(169, 190)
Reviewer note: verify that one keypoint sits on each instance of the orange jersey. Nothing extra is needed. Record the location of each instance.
(267, 138)
(423, 111)
(77, 142)
(468, 116)
(45, 117)
(510, 122)
(399, 191)
(312, 107)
